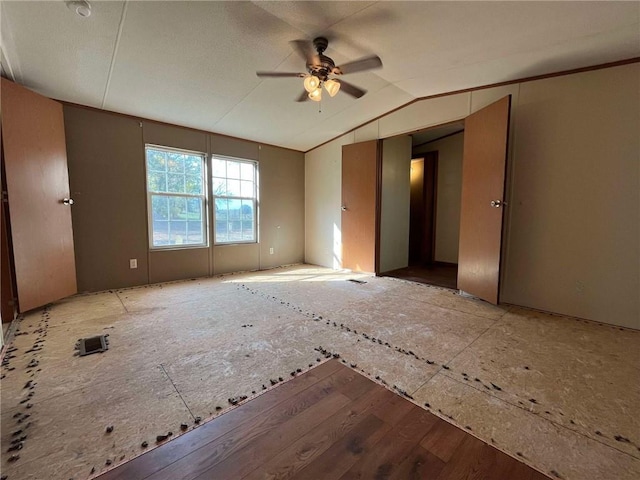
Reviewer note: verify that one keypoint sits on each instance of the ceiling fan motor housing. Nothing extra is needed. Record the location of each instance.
(326, 65)
(323, 70)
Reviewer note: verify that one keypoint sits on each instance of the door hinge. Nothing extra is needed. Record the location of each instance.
(5, 196)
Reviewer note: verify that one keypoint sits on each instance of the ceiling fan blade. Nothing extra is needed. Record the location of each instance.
(358, 65)
(279, 74)
(351, 89)
(304, 96)
(306, 50)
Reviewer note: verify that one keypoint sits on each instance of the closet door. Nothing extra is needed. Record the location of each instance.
(486, 134)
(35, 160)
(360, 177)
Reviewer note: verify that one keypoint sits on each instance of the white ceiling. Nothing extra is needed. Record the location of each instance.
(194, 63)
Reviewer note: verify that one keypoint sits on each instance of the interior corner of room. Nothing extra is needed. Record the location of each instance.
(566, 213)
(566, 235)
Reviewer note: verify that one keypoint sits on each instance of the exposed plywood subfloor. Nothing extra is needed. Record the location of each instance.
(558, 393)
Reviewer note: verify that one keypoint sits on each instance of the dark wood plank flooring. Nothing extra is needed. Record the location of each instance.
(329, 423)
(441, 275)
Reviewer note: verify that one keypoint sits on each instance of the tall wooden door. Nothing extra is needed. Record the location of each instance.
(486, 134)
(360, 177)
(35, 159)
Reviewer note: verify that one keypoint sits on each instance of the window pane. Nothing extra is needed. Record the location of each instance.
(246, 189)
(157, 182)
(234, 209)
(193, 165)
(219, 186)
(233, 188)
(178, 232)
(233, 169)
(221, 209)
(194, 184)
(175, 183)
(234, 224)
(248, 233)
(194, 232)
(246, 171)
(156, 160)
(175, 162)
(159, 207)
(194, 209)
(221, 220)
(160, 233)
(218, 167)
(177, 208)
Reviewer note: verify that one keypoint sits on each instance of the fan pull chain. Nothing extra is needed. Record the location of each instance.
(320, 106)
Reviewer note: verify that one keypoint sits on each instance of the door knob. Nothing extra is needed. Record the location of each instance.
(67, 201)
(343, 208)
(497, 203)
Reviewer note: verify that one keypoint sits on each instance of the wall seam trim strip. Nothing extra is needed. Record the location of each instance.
(115, 52)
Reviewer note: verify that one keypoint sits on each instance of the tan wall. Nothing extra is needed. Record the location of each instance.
(395, 199)
(281, 207)
(106, 168)
(106, 177)
(449, 190)
(574, 215)
(571, 231)
(323, 199)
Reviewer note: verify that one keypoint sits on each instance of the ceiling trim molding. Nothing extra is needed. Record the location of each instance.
(483, 87)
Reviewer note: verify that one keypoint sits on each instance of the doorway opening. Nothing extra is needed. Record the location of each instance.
(434, 220)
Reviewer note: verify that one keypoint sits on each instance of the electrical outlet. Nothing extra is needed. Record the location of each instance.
(133, 263)
(271, 251)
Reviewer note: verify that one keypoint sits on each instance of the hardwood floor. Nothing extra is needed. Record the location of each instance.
(328, 423)
(439, 274)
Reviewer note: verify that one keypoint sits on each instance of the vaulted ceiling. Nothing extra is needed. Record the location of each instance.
(194, 63)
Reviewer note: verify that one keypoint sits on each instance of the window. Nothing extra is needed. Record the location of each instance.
(234, 189)
(176, 198)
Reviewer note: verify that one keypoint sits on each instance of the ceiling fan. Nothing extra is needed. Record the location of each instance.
(320, 67)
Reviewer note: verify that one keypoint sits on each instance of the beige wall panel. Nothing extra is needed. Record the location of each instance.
(175, 137)
(234, 147)
(395, 208)
(178, 264)
(281, 206)
(575, 206)
(107, 181)
(425, 113)
(486, 96)
(448, 196)
(366, 132)
(323, 194)
(236, 258)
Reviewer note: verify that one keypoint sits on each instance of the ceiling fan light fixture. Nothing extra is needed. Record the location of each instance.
(311, 83)
(332, 87)
(316, 95)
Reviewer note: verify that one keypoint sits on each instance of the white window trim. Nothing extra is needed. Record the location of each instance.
(202, 197)
(255, 199)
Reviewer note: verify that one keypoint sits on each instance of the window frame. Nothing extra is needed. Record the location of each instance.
(254, 199)
(204, 204)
